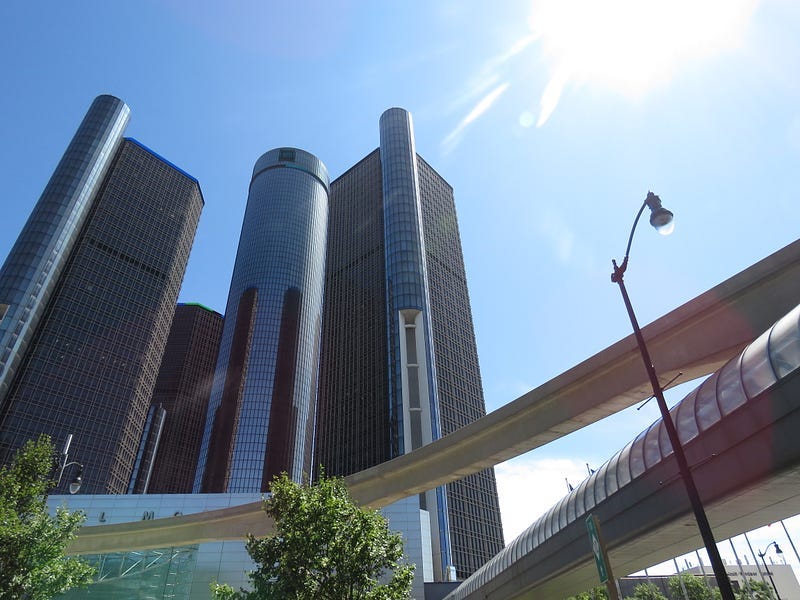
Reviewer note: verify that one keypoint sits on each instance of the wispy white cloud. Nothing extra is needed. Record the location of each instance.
(552, 94)
(484, 104)
(515, 48)
(489, 83)
(488, 74)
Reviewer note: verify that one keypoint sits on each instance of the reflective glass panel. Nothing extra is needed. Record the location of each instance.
(757, 373)
(528, 540)
(663, 438)
(730, 392)
(623, 466)
(637, 456)
(539, 532)
(611, 475)
(705, 405)
(784, 344)
(516, 548)
(600, 484)
(685, 422)
(571, 506)
(549, 517)
(652, 452)
(579, 496)
(587, 492)
(562, 512)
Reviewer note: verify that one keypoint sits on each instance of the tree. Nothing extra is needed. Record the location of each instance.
(761, 591)
(324, 547)
(647, 591)
(696, 588)
(32, 561)
(598, 593)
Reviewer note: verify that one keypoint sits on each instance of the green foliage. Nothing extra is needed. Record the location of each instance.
(32, 561)
(324, 547)
(223, 591)
(647, 591)
(696, 588)
(761, 591)
(598, 593)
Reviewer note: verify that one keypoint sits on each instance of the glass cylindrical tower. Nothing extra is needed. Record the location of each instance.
(30, 273)
(413, 396)
(260, 418)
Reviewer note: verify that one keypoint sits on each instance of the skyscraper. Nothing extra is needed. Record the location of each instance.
(182, 389)
(399, 365)
(261, 415)
(119, 221)
(31, 271)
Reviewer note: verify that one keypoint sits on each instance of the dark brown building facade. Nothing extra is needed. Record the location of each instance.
(91, 365)
(397, 314)
(182, 390)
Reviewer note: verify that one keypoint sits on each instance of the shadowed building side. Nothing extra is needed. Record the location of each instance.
(182, 390)
(472, 501)
(354, 421)
(91, 367)
(220, 446)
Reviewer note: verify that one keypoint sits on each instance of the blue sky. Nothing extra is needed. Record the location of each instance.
(551, 120)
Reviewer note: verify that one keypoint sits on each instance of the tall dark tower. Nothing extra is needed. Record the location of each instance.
(399, 364)
(91, 359)
(32, 269)
(260, 419)
(182, 390)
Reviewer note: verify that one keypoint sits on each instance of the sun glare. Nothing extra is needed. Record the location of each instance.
(631, 46)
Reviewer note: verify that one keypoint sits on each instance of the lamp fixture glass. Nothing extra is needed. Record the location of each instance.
(660, 218)
(77, 481)
(663, 221)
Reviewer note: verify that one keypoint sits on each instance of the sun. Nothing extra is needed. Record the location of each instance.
(631, 46)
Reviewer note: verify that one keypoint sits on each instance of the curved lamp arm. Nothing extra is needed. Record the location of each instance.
(777, 549)
(660, 218)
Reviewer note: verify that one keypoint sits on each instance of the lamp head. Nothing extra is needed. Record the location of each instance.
(660, 218)
(77, 481)
(777, 548)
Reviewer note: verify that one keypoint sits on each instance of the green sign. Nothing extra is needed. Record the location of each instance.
(597, 548)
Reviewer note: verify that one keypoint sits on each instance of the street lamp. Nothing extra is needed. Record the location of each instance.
(63, 462)
(662, 220)
(762, 554)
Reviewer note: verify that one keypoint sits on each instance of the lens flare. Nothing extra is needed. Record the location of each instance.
(631, 46)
